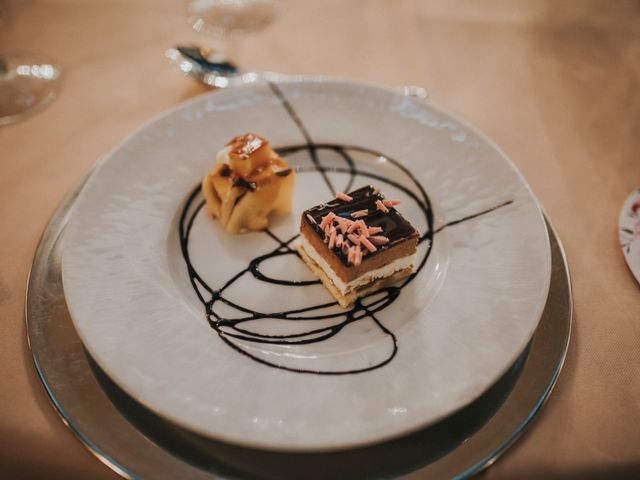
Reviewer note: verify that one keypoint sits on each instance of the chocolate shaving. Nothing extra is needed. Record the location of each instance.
(238, 198)
(284, 173)
(225, 170)
(241, 182)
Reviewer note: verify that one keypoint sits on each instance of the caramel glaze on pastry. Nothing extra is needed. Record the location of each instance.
(249, 181)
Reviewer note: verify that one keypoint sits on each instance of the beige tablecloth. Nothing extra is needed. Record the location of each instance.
(554, 83)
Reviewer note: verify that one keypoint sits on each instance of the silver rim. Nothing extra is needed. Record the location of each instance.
(127, 438)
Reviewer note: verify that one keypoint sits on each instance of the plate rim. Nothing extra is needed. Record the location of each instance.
(332, 446)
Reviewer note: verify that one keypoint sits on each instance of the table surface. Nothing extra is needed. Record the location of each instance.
(553, 83)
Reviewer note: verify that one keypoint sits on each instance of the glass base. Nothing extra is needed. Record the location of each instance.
(222, 18)
(27, 85)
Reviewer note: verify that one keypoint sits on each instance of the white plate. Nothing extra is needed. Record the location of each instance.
(629, 232)
(439, 342)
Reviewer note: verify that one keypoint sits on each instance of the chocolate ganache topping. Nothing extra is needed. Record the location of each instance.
(395, 227)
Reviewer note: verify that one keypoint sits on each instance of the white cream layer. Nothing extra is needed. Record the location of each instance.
(382, 272)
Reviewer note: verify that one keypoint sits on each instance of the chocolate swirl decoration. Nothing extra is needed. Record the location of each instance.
(233, 330)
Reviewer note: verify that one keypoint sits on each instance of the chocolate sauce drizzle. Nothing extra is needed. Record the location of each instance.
(368, 307)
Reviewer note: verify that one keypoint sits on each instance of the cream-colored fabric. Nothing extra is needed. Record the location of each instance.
(555, 84)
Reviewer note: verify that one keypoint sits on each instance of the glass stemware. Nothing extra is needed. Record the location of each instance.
(222, 18)
(27, 84)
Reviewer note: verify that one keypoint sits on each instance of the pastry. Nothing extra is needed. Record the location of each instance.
(357, 243)
(249, 181)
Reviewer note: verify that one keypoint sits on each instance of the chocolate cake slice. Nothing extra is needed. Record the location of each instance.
(357, 243)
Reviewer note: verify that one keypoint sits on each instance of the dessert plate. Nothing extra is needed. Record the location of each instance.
(629, 232)
(233, 338)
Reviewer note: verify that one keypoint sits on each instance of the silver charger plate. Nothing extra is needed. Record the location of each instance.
(135, 443)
